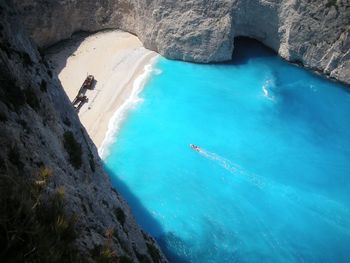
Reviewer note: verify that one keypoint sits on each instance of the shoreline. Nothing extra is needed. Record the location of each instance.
(119, 114)
(120, 70)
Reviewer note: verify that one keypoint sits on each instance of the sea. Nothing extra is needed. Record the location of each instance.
(270, 179)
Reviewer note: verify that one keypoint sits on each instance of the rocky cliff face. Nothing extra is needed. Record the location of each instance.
(45, 148)
(314, 33)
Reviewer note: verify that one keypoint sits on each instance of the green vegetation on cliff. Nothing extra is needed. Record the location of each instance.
(33, 224)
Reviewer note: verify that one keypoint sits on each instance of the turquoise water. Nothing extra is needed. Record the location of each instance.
(272, 181)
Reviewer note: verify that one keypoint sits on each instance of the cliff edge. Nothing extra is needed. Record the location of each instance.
(56, 202)
(315, 34)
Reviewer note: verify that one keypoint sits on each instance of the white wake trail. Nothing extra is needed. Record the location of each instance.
(311, 202)
(232, 167)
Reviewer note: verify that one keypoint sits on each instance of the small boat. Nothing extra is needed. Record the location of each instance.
(195, 147)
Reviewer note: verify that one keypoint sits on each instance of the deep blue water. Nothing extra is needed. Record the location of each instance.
(272, 181)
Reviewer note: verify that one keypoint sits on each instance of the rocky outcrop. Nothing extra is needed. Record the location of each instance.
(44, 146)
(313, 33)
(41, 135)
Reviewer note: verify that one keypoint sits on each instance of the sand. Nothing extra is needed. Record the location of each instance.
(116, 59)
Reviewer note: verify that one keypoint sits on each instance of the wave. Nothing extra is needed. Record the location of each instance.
(129, 103)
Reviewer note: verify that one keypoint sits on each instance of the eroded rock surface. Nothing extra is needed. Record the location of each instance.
(37, 121)
(314, 33)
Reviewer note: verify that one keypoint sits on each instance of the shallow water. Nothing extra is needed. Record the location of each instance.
(271, 182)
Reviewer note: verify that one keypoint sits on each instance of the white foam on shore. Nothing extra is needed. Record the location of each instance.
(119, 115)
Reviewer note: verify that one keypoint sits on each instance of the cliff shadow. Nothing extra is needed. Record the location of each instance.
(145, 219)
(58, 54)
(246, 48)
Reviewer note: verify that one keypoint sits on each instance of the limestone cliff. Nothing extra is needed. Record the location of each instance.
(45, 149)
(313, 33)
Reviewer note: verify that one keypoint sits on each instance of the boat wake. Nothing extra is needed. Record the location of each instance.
(232, 167)
(290, 195)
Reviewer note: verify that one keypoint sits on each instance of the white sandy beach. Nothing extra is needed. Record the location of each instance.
(116, 59)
